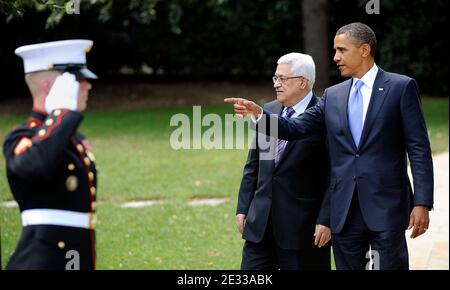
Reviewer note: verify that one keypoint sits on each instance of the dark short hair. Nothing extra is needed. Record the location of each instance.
(360, 33)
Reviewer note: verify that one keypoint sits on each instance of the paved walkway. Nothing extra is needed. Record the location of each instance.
(430, 251)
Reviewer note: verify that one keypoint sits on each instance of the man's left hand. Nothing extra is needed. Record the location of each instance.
(322, 234)
(419, 221)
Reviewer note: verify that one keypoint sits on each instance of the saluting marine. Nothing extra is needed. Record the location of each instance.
(50, 167)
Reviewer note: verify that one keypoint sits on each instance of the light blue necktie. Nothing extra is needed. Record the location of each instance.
(355, 112)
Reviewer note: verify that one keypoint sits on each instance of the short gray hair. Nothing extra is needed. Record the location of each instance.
(302, 65)
(360, 34)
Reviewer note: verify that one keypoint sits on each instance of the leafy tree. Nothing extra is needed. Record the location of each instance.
(227, 39)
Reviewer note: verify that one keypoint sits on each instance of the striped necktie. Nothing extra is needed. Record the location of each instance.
(282, 143)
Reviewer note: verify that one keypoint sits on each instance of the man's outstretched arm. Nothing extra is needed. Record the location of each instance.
(310, 122)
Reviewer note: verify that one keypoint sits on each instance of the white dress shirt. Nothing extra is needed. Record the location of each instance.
(300, 107)
(366, 88)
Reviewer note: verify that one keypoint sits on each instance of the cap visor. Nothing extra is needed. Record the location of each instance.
(88, 74)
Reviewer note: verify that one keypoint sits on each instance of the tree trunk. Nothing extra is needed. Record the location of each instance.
(315, 38)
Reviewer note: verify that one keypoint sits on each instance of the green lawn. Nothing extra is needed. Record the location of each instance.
(436, 116)
(136, 162)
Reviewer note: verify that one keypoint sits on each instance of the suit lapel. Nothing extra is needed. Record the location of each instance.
(342, 100)
(379, 92)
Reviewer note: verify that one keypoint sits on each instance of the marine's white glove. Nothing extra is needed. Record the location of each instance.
(63, 94)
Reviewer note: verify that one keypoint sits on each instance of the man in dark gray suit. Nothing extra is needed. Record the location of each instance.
(280, 198)
(373, 122)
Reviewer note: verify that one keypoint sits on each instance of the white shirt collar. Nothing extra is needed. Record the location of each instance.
(369, 78)
(301, 106)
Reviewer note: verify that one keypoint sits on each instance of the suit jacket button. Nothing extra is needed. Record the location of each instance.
(357, 155)
(41, 132)
(72, 183)
(49, 122)
(80, 148)
(61, 245)
(354, 178)
(91, 156)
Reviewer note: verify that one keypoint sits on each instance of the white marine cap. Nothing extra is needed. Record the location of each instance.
(64, 55)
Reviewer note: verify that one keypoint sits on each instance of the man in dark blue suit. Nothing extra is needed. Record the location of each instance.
(373, 122)
(279, 206)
